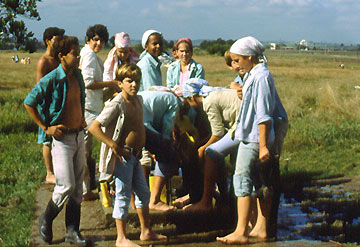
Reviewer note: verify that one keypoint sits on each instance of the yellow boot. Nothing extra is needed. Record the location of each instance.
(106, 200)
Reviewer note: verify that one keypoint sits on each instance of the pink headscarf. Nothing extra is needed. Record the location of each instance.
(121, 40)
(187, 40)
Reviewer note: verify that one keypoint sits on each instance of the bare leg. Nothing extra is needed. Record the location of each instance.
(50, 177)
(146, 232)
(239, 235)
(155, 202)
(121, 240)
(210, 177)
(263, 208)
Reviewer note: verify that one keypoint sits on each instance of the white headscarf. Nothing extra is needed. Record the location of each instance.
(248, 46)
(146, 35)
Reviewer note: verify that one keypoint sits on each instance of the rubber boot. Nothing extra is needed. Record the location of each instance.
(105, 200)
(72, 222)
(46, 220)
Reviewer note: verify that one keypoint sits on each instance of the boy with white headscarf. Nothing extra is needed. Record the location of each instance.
(255, 131)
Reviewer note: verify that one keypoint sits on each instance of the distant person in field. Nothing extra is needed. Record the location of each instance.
(48, 62)
(259, 110)
(121, 53)
(92, 70)
(152, 42)
(64, 89)
(185, 67)
(122, 137)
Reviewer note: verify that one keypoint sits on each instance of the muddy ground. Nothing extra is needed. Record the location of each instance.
(182, 229)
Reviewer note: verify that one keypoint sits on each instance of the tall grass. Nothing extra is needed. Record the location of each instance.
(320, 99)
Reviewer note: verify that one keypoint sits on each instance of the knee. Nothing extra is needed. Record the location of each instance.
(142, 199)
(242, 185)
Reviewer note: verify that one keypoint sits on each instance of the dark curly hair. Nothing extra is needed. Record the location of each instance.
(51, 32)
(98, 29)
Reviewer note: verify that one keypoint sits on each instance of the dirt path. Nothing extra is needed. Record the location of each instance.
(99, 230)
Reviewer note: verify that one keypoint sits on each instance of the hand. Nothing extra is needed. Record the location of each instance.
(238, 87)
(264, 154)
(116, 150)
(201, 152)
(57, 131)
(126, 153)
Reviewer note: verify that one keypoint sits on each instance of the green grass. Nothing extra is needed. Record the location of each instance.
(322, 140)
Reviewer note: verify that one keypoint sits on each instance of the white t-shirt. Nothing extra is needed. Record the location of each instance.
(92, 70)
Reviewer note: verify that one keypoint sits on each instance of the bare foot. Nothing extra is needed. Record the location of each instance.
(255, 233)
(150, 235)
(125, 243)
(182, 201)
(161, 206)
(233, 238)
(199, 206)
(50, 178)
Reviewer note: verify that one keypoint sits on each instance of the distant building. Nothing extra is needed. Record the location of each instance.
(303, 45)
(272, 46)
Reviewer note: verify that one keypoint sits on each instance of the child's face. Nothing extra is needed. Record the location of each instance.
(96, 43)
(53, 42)
(184, 53)
(123, 54)
(130, 86)
(243, 63)
(154, 45)
(235, 66)
(71, 60)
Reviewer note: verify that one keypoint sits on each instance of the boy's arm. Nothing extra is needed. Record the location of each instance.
(56, 130)
(264, 153)
(103, 84)
(88, 64)
(95, 130)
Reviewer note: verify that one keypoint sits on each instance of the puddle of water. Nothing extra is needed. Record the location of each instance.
(323, 213)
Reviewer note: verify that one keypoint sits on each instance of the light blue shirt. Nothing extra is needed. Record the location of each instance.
(258, 104)
(159, 111)
(238, 79)
(150, 72)
(173, 74)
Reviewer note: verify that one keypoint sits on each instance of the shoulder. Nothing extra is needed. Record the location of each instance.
(195, 64)
(174, 65)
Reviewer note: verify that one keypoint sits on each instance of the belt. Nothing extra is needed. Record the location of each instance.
(73, 130)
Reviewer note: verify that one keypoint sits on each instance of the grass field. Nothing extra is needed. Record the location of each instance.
(320, 98)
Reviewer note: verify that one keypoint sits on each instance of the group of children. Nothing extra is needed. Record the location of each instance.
(188, 123)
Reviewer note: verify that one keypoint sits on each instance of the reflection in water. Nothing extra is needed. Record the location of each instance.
(321, 213)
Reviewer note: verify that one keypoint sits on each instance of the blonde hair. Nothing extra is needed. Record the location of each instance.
(227, 57)
(128, 70)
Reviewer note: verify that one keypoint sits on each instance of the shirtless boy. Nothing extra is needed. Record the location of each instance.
(123, 139)
(48, 62)
(64, 89)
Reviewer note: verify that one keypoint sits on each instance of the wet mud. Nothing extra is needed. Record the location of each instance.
(311, 213)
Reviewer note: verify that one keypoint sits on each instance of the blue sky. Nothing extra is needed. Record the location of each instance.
(333, 21)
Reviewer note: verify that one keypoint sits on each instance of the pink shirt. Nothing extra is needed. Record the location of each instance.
(183, 77)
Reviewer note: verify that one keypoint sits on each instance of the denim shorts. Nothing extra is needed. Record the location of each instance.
(245, 176)
(129, 176)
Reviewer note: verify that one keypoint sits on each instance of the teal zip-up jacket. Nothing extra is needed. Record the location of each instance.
(173, 73)
(49, 96)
